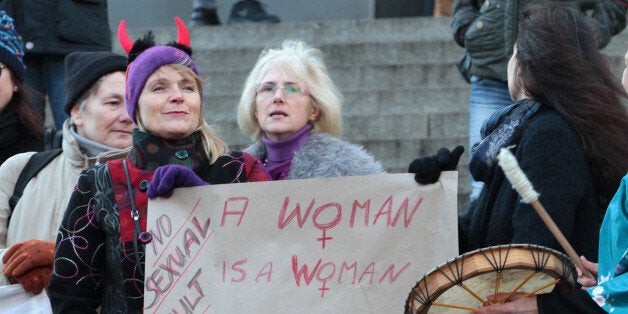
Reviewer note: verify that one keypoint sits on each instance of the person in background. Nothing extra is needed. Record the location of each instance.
(487, 31)
(567, 129)
(52, 29)
(204, 12)
(172, 144)
(99, 129)
(21, 128)
(443, 7)
(291, 108)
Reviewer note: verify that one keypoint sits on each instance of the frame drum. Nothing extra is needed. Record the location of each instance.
(464, 283)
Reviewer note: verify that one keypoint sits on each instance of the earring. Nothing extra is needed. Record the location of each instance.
(15, 88)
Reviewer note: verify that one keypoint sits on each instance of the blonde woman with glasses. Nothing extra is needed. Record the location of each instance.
(291, 109)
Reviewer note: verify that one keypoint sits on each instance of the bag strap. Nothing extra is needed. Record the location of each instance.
(37, 162)
(52, 139)
(137, 230)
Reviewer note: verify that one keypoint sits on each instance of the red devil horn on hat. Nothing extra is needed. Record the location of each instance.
(133, 49)
(183, 34)
(123, 37)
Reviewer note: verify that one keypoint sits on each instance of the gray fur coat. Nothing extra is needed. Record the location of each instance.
(325, 156)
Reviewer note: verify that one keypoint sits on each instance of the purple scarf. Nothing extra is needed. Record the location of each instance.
(279, 154)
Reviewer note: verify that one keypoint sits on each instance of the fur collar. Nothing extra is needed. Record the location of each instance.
(325, 156)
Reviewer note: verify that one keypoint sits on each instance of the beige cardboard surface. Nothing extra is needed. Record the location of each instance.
(338, 245)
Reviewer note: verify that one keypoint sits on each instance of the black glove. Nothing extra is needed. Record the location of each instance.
(427, 169)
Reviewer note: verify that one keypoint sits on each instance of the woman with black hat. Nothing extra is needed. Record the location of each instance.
(99, 129)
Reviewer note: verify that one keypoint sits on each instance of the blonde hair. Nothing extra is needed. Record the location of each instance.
(306, 64)
(214, 147)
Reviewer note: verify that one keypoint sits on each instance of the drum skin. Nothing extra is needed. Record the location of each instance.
(461, 283)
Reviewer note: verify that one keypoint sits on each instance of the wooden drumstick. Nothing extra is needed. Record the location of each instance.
(520, 182)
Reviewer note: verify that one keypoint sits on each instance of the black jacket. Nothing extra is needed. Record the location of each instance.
(551, 154)
(576, 302)
(59, 27)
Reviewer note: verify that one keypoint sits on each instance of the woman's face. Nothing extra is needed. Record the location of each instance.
(104, 118)
(170, 104)
(513, 84)
(278, 115)
(7, 87)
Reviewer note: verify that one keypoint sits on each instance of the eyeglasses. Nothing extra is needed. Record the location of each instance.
(268, 90)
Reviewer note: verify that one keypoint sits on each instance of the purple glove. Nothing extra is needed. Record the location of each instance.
(169, 177)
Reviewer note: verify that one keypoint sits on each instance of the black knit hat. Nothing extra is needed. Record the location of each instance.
(11, 46)
(83, 69)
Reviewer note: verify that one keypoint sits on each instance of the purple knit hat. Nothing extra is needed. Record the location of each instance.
(145, 58)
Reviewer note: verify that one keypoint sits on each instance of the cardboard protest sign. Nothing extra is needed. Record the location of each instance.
(337, 245)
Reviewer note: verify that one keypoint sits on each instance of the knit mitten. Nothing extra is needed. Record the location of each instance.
(167, 178)
(36, 279)
(427, 169)
(25, 256)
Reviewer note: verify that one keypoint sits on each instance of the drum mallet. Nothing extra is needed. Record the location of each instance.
(520, 182)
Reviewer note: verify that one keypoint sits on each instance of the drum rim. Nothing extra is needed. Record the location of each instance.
(568, 272)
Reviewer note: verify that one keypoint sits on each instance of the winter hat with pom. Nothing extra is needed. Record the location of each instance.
(12, 46)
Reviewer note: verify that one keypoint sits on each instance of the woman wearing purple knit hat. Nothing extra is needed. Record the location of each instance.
(21, 128)
(99, 261)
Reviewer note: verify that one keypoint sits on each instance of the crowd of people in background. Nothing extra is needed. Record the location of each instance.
(133, 128)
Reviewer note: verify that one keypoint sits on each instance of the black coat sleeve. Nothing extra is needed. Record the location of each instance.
(608, 19)
(464, 12)
(575, 302)
(76, 282)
